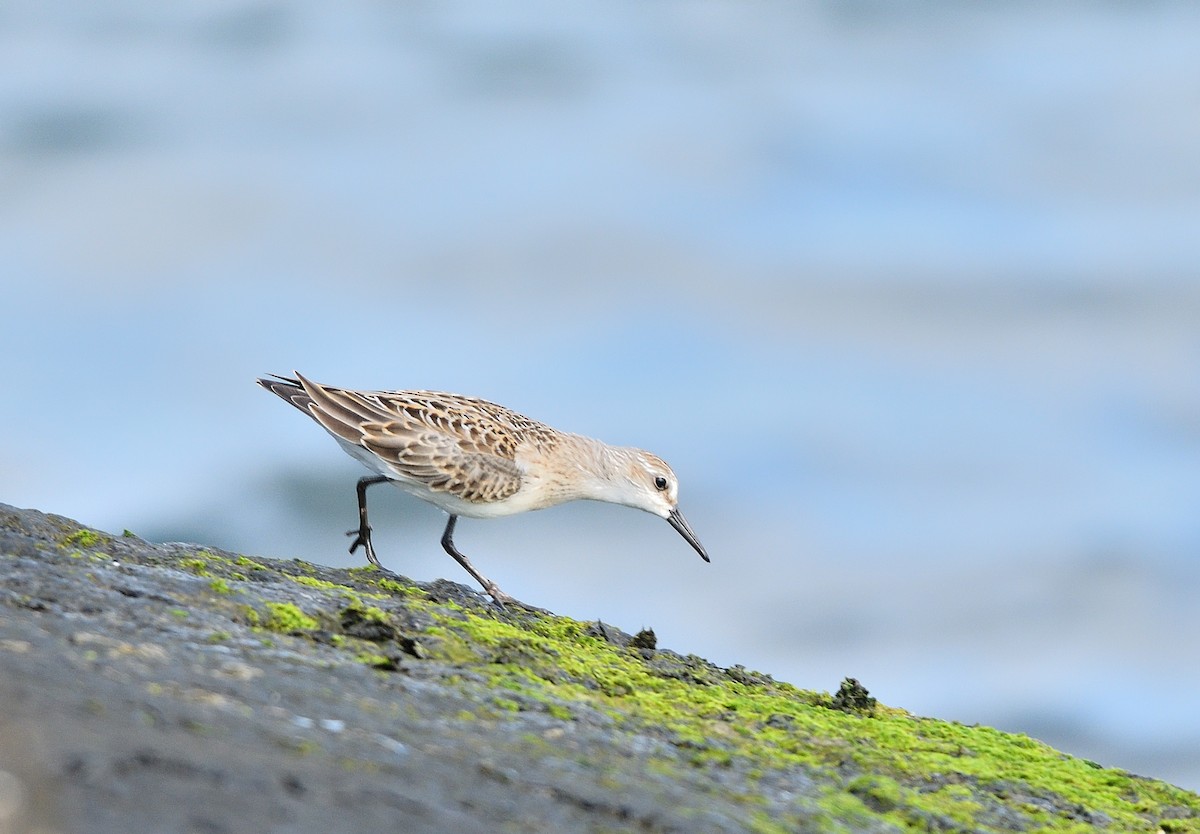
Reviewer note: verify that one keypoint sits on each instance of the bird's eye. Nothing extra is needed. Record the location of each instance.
(660, 483)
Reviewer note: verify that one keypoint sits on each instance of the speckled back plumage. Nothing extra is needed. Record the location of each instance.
(463, 446)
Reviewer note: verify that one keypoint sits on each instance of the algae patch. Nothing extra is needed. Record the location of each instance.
(287, 618)
(84, 538)
(790, 759)
(196, 565)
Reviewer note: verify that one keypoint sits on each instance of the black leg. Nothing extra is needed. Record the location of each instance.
(488, 585)
(363, 537)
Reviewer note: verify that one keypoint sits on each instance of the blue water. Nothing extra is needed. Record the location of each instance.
(907, 296)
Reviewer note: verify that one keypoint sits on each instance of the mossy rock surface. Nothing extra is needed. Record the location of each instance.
(181, 688)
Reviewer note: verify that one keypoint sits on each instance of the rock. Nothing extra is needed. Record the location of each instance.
(179, 688)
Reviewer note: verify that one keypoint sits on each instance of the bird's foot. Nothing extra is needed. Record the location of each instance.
(362, 538)
(499, 597)
(504, 600)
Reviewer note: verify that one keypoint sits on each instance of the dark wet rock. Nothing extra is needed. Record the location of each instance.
(181, 688)
(852, 696)
(644, 639)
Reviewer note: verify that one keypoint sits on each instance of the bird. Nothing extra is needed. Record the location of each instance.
(477, 459)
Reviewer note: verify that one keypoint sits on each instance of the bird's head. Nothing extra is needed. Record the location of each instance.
(650, 485)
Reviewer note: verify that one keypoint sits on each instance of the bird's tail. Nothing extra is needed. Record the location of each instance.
(288, 389)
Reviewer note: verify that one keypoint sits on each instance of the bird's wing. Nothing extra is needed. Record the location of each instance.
(451, 444)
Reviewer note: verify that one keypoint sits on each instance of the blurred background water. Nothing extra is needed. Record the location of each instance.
(906, 293)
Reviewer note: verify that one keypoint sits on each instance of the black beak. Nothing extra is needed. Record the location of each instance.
(679, 523)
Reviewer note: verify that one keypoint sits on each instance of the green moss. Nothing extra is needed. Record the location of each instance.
(506, 704)
(196, 566)
(885, 767)
(559, 711)
(877, 792)
(732, 717)
(760, 822)
(373, 614)
(844, 813)
(325, 585)
(398, 588)
(179, 613)
(285, 617)
(1179, 826)
(313, 582)
(449, 647)
(87, 539)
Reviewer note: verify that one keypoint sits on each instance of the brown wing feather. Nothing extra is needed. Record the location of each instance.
(338, 411)
(441, 462)
(459, 445)
(288, 390)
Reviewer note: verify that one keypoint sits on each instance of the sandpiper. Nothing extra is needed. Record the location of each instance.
(478, 459)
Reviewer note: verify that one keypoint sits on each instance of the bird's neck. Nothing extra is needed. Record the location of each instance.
(590, 470)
